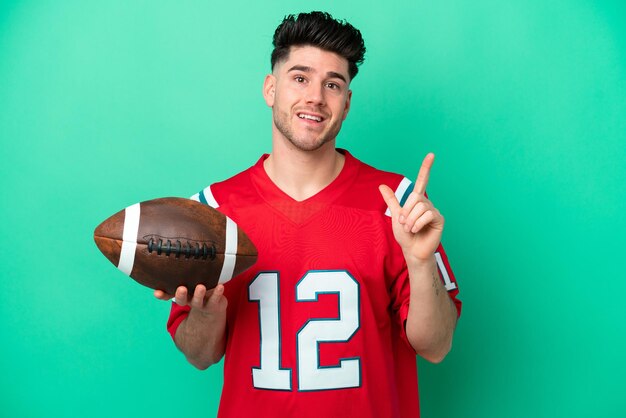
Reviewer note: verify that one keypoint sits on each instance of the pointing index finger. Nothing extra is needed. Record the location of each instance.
(424, 174)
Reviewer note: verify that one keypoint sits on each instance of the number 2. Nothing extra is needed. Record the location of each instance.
(264, 289)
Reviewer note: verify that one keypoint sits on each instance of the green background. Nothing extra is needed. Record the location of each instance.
(104, 104)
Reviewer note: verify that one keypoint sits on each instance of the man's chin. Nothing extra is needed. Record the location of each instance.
(310, 145)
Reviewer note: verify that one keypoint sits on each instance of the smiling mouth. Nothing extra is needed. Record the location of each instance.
(310, 117)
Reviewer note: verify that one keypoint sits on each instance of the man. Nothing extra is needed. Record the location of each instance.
(349, 284)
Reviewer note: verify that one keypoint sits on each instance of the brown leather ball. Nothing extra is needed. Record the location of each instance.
(169, 242)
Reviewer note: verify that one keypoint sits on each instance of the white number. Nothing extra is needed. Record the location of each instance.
(348, 374)
(311, 375)
(264, 289)
(444, 273)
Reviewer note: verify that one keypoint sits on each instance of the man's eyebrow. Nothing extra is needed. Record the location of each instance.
(333, 74)
(307, 69)
(302, 68)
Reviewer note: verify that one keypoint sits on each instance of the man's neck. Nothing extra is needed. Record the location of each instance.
(302, 174)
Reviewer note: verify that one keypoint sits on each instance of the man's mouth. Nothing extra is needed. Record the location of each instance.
(308, 116)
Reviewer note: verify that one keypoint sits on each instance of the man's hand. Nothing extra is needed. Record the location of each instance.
(207, 302)
(418, 225)
(201, 335)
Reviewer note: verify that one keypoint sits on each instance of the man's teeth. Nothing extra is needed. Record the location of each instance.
(310, 117)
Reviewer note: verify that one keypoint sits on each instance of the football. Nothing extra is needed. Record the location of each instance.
(170, 242)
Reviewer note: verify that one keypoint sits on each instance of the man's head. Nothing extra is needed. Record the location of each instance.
(320, 30)
(314, 60)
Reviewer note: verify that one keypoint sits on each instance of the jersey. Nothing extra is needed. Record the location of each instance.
(316, 327)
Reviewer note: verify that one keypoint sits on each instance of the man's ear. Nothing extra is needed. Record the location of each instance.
(347, 106)
(269, 89)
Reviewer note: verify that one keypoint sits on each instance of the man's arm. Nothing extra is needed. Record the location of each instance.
(417, 227)
(201, 336)
(432, 314)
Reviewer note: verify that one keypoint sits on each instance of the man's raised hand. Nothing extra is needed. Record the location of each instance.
(418, 225)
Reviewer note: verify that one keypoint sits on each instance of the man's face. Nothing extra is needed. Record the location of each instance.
(309, 97)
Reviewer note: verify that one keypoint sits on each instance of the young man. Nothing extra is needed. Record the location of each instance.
(349, 284)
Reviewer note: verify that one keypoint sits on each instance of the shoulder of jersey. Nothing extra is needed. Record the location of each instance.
(218, 194)
(365, 188)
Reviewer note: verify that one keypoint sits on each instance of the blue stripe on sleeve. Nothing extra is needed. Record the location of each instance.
(406, 194)
(202, 198)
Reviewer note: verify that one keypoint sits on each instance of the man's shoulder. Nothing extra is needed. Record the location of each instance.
(238, 181)
(369, 175)
(221, 192)
(364, 192)
(369, 172)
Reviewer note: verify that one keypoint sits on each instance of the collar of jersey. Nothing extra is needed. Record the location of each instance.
(303, 211)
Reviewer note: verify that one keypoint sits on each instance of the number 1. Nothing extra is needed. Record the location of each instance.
(264, 289)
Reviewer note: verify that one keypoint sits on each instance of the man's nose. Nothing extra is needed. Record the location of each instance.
(315, 94)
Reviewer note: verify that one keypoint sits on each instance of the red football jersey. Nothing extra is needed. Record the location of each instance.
(316, 327)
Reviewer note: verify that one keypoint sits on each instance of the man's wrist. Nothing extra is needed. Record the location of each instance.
(417, 263)
(203, 316)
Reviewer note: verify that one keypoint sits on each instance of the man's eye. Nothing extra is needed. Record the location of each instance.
(332, 86)
(299, 79)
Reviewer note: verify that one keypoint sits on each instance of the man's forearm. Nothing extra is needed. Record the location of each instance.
(432, 314)
(201, 337)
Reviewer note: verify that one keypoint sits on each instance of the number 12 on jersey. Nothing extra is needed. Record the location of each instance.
(265, 290)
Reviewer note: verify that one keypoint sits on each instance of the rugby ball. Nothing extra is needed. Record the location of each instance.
(169, 242)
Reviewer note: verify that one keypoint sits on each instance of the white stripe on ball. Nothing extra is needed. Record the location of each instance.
(230, 251)
(129, 238)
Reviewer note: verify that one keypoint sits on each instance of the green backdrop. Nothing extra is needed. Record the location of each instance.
(104, 104)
